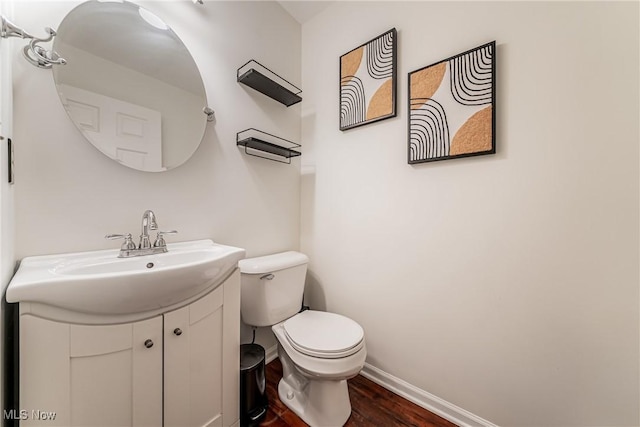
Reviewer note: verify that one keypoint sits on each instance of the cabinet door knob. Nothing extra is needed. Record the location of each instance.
(148, 343)
(177, 331)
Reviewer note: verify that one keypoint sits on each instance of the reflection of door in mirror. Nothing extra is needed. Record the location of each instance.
(126, 132)
(130, 85)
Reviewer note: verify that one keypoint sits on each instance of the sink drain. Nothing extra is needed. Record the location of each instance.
(150, 265)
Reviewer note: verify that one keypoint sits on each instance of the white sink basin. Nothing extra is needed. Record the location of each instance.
(99, 282)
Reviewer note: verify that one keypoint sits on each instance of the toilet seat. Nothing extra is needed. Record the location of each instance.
(323, 335)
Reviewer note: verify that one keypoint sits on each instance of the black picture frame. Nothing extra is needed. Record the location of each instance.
(451, 107)
(376, 62)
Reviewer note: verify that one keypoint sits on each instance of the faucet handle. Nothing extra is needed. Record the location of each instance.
(128, 243)
(160, 243)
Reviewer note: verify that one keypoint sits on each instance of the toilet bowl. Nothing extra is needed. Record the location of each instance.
(319, 351)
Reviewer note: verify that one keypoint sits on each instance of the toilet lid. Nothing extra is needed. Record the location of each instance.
(324, 335)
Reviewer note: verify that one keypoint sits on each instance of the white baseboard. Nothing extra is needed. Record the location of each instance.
(441, 407)
(271, 353)
(438, 406)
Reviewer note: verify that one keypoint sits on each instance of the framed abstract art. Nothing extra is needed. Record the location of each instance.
(368, 82)
(452, 107)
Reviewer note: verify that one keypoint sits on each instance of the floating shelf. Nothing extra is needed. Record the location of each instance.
(262, 79)
(264, 145)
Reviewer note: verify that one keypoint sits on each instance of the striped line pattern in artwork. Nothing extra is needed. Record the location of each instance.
(352, 101)
(429, 130)
(471, 77)
(380, 57)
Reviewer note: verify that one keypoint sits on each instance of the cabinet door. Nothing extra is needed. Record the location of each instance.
(193, 363)
(91, 375)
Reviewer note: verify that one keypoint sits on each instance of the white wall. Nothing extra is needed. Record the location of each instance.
(68, 195)
(508, 284)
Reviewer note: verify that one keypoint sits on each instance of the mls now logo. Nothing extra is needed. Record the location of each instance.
(23, 414)
(14, 414)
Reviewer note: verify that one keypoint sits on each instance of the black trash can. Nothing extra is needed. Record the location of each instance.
(253, 385)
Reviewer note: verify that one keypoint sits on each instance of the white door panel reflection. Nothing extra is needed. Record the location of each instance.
(128, 133)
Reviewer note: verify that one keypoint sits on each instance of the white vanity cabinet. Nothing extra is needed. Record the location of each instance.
(90, 375)
(178, 369)
(201, 364)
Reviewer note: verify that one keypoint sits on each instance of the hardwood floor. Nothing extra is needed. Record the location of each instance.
(371, 406)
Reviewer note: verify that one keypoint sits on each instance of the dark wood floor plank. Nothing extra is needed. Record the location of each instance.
(371, 405)
(390, 409)
(273, 420)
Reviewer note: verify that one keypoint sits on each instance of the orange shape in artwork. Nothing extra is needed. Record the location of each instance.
(350, 63)
(475, 135)
(425, 83)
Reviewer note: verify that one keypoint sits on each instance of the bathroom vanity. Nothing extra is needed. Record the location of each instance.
(176, 364)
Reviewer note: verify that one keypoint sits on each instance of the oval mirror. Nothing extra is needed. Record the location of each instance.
(130, 85)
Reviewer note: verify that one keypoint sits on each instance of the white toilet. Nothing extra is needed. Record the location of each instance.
(319, 351)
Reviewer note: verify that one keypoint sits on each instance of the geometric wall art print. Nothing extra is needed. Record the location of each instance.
(368, 82)
(452, 107)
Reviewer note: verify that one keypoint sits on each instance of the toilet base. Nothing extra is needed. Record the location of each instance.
(319, 403)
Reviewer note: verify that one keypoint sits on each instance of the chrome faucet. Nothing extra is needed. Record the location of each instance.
(129, 249)
(148, 223)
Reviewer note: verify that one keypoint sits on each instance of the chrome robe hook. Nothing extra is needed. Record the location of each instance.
(34, 53)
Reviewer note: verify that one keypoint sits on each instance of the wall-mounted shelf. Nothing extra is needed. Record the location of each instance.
(267, 146)
(262, 79)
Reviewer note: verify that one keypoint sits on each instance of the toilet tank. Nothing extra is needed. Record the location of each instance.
(272, 287)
